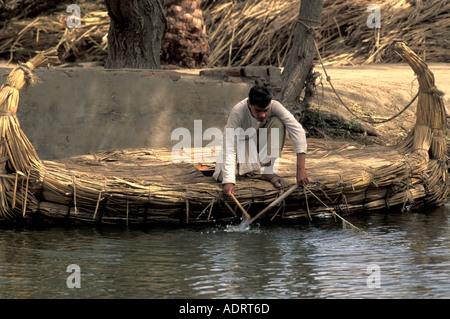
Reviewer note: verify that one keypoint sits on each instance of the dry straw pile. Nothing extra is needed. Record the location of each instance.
(256, 32)
(21, 39)
(261, 32)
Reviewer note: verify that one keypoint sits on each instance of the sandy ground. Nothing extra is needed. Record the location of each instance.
(379, 92)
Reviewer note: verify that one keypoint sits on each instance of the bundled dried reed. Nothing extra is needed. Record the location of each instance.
(17, 154)
(145, 186)
(429, 133)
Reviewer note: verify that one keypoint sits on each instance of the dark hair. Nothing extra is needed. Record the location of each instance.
(259, 95)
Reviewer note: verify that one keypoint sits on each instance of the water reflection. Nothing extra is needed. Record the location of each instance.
(315, 259)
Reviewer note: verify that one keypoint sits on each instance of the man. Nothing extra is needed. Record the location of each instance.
(253, 139)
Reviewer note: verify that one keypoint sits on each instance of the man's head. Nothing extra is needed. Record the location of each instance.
(259, 95)
(259, 99)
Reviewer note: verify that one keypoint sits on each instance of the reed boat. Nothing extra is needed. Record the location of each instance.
(145, 186)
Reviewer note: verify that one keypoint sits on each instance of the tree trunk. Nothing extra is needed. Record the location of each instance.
(301, 56)
(135, 33)
(186, 43)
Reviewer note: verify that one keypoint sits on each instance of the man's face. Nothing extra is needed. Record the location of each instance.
(258, 112)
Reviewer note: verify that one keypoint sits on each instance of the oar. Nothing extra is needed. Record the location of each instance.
(247, 215)
(275, 202)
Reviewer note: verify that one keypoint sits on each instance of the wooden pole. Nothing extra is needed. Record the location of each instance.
(247, 215)
(275, 202)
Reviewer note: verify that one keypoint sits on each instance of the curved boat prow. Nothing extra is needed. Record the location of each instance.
(428, 136)
(19, 161)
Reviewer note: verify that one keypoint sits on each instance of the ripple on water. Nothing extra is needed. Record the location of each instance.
(315, 259)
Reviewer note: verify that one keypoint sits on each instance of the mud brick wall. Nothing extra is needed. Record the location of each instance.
(82, 110)
(268, 75)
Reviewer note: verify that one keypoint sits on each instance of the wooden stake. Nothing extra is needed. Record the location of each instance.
(247, 215)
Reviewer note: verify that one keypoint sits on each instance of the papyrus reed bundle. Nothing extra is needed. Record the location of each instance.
(17, 154)
(429, 133)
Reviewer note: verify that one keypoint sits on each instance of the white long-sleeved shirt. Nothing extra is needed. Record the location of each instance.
(240, 118)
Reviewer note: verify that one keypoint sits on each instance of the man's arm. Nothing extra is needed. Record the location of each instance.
(293, 127)
(229, 150)
(302, 175)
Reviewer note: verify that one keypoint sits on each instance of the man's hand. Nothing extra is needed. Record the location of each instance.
(228, 189)
(302, 177)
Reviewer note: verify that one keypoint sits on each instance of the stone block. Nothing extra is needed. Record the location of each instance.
(255, 72)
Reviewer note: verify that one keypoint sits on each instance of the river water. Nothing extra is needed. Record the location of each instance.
(318, 259)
